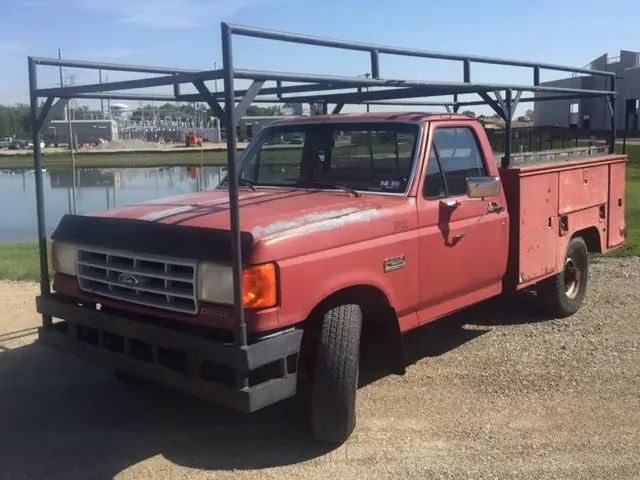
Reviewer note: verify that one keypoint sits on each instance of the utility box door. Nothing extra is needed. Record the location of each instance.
(583, 187)
(616, 225)
(538, 229)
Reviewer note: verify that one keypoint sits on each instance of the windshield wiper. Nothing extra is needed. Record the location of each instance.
(345, 188)
(241, 181)
(248, 183)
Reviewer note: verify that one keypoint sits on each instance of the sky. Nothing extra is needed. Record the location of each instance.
(186, 34)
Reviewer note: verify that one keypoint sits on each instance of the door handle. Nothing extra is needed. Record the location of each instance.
(452, 203)
(491, 208)
(495, 207)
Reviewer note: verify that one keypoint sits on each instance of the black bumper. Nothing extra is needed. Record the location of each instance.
(182, 361)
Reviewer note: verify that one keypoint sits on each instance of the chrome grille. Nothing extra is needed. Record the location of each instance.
(158, 282)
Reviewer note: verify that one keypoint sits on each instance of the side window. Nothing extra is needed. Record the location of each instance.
(460, 158)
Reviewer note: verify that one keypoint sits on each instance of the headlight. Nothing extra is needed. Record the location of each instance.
(63, 258)
(260, 287)
(215, 283)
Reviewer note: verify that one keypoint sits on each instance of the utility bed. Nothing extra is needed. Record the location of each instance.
(574, 191)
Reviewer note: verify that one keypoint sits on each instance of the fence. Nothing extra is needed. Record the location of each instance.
(530, 139)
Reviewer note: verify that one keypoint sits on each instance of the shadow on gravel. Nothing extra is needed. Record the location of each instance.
(63, 418)
(453, 331)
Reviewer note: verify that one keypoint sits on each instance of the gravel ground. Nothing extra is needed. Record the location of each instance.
(495, 392)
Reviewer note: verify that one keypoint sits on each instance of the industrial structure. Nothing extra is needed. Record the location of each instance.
(592, 113)
(152, 124)
(83, 131)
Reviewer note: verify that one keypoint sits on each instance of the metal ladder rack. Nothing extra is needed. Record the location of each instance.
(230, 104)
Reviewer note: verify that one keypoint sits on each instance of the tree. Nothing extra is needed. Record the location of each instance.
(256, 111)
(529, 115)
(469, 113)
(15, 121)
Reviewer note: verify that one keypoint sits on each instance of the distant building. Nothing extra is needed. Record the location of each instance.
(593, 113)
(85, 131)
(248, 126)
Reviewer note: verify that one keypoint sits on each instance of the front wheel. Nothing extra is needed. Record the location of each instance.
(562, 294)
(335, 374)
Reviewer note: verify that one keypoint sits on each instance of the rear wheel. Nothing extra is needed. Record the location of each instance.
(335, 374)
(562, 294)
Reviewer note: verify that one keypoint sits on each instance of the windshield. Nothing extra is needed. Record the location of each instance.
(367, 156)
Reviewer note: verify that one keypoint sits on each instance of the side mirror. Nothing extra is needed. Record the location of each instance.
(481, 187)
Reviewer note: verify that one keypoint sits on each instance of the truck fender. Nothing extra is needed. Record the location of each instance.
(382, 346)
(343, 281)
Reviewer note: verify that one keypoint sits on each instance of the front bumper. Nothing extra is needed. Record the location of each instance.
(190, 363)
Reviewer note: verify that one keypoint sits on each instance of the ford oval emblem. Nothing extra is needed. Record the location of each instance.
(127, 279)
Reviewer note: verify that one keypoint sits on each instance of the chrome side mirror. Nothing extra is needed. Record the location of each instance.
(482, 187)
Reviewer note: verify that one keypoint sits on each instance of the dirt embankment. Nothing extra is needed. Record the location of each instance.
(496, 392)
(129, 146)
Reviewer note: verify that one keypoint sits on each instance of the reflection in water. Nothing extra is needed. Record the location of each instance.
(96, 189)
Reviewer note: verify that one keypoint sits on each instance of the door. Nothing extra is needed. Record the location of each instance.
(463, 240)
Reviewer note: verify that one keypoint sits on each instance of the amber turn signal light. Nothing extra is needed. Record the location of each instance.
(260, 286)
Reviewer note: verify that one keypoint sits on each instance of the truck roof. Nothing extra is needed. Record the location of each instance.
(415, 117)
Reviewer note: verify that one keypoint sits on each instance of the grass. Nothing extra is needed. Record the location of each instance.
(62, 160)
(19, 261)
(632, 210)
(142, 159)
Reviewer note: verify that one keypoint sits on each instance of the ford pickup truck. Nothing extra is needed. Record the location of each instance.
(366, 227)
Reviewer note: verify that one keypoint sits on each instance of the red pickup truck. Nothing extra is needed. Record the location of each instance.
(364, 228)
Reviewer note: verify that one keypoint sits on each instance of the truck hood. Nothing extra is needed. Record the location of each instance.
(268, 214)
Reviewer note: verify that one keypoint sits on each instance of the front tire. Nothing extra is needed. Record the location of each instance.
(335, 375)
(562, 295)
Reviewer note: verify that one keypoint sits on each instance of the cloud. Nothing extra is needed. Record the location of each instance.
(167, 13)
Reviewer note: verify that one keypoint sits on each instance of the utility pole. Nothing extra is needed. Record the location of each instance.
(367, 75)
(218, 120)
(66, 110)
(108, 102)
(71, 143)
(102, 99)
